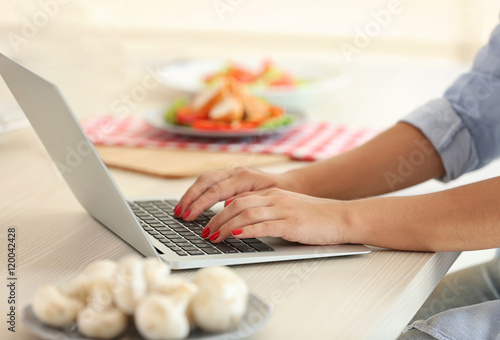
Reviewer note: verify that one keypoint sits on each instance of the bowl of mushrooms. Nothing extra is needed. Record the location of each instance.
(137, 298)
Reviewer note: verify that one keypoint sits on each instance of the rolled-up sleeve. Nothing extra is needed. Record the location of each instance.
(464, 125)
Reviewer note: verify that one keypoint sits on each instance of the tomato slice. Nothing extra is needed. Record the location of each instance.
(203, 124)
(284, 80)
(241, 75)
(186, 115)
(275, 111)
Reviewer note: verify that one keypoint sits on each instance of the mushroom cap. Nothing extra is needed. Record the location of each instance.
(161, 317)
(221, 300)
(155, 271)
(104, 324)
(129, 284)
(100, 273)
(100, 299)
(182, 291)
(177, 288)
(54, 308)
(97, 274)
(77, 288)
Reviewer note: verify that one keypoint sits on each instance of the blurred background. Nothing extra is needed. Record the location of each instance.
(398, 54)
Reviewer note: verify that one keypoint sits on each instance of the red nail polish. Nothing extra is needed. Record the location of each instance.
(205, 232)
(228, 202)
(186, 215)
(177, 210)
(215, 236)
(236, 231)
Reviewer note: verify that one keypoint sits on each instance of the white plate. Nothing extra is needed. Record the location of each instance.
(258, 313)
(157, 119)
(322, 77)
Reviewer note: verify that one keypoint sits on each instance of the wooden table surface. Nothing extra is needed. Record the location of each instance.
(357, 297)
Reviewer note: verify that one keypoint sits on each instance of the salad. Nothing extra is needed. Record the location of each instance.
(226, 105)
(269, 75)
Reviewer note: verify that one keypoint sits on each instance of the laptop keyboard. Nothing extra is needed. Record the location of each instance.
(184, 238)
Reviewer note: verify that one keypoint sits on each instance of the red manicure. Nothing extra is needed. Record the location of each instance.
(186, 215)
(177, 210)
(205, 232)
(215, 236)
(228, 202)
(236, 232)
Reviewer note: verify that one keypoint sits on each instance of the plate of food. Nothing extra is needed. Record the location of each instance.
(137, 298)
(290, 83)
(225, 108)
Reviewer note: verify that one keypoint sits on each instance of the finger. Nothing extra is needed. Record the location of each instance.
(245, 218)
(273, 228)
(238, 206)
(201, 184)
(216, 193)
(244, 194)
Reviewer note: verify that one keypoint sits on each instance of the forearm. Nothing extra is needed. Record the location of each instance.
(398, 158)
(464, 218)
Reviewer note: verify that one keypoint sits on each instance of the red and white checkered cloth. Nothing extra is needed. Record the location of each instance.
(308, 142)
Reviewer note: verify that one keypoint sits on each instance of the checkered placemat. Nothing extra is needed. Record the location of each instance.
(309, 142)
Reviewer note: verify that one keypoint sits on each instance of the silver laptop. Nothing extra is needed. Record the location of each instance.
(147, 224)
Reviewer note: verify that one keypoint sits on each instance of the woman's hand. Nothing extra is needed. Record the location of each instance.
(217, 186)
(279, 213)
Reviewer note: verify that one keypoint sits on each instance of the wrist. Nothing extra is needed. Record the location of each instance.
(358, 219)
(296, 181)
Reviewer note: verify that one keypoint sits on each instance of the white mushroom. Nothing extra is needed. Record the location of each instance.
(176, 287)
(155, 271)
(101, 319)
(78, 288)
(54, 308)
(221, 301)
(96, 274)
(129, 284)
(105, 324)
(100, 273)
(182, 291)
(161, 317)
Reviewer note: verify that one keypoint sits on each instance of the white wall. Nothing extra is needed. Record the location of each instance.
(445, 28)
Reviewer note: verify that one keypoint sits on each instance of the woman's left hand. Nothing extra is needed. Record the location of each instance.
(279, 213)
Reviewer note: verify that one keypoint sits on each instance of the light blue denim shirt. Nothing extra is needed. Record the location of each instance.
(464, 125)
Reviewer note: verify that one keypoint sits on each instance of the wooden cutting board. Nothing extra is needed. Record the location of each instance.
(180, 163)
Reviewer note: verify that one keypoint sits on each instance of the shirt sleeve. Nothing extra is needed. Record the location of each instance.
(464, 125)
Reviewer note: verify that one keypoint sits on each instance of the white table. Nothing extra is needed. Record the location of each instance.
(359, 297)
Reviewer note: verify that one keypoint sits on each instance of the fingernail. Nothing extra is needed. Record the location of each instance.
(186, 215)
(228, 202)
(205, 232)
(236, 232)
(215, 236)
(177, 210)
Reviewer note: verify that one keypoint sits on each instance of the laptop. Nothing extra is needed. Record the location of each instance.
(146, 223)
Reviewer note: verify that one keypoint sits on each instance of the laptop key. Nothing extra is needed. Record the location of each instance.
(244, 249)
(183, 244)
(204, 245)
(210, 251)
(177, 239)
(168, 233)
(185, 232)
(195, 252)
(189, 248)
(225, 248)
(252, 240)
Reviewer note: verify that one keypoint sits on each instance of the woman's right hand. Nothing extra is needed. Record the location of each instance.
(217, 186)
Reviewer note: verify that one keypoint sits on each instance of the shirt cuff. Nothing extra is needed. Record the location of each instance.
(444, 128)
